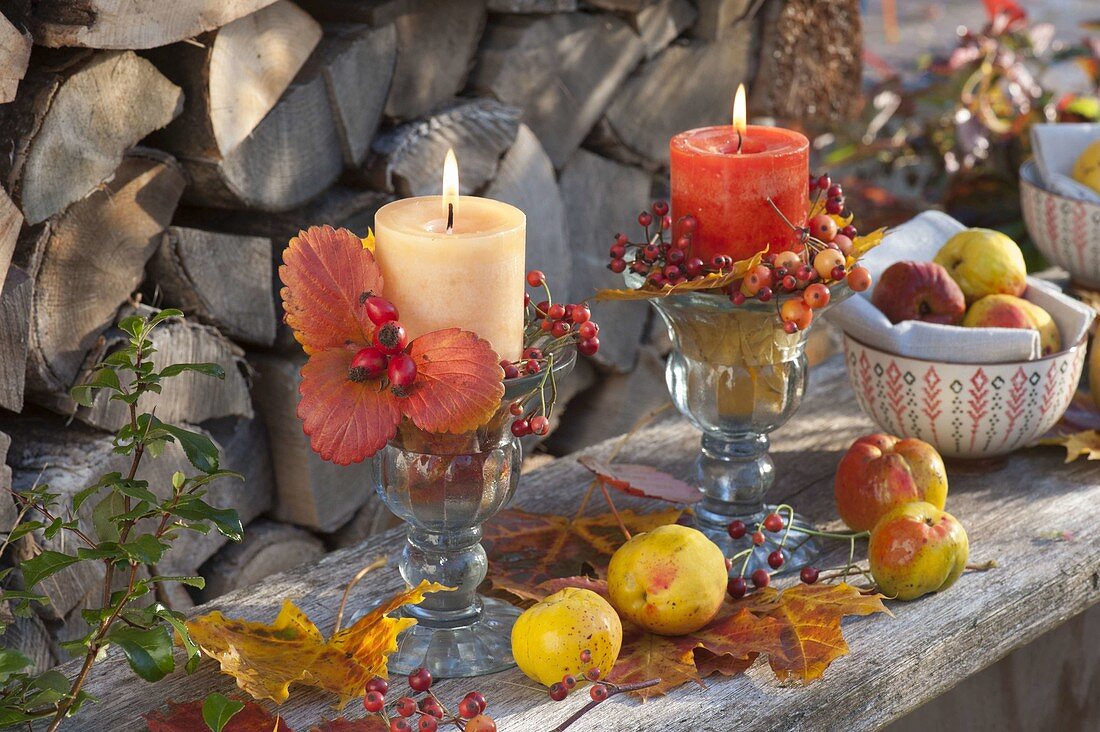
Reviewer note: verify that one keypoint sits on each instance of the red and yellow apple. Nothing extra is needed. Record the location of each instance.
(1009, 311)
(915, 549)
(919, 291)
(670, 581)
(880, 472)
(984, 262)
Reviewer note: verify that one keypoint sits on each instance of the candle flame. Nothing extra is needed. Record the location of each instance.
(450, 184)
(739, 113)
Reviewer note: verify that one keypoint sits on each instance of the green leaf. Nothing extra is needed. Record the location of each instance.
(217, 710)
(23, 595)
(225, 519)
(133, 325)
(23, 529)
(103, 482)
(176, 620)
(104, 378)
(11, 662)
(105, 550)
(145, 549)
(165, 315)
(111, 505)
(197, 582)
(148, 651)
(199, 449)
(209, 369)
(138, 489)
(44, 565)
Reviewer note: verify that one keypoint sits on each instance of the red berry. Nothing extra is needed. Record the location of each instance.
(660, 208)
(390, 338)
(542, 307)
(859, 279)
(816, 295)
(535, 278)
(824, 182)
(645, 218)
(406, 706)
(650, 253)
(401, 370)
(764, 294)
(559, 328)
(558, 691)
(588, 329)
(510, 369)
(378, 684)
(556, 312)
(592, 674)
(515, 409)
(532, 352)
(789, 283)
(838, 273)
(429, 705)
(468, 707)
(373, 701)
(823, 227)
(688, 223)
(569, 680)
(598, 692)
(809, 575)
(586, 656)
(672, 271)
(588, 346)
(380, 310)
(481, 723)
(790, 327)
(547, 324)
(773, 522)
(775, 559)
(666, 222)
(760, 578)
(539, 424)
(738, 298)
(531, 366)
(694, 267)
(400, 725)
(368, 363)
(617, 266)
(617, 251)
(683, 242)
(427, 724)
(850, 231)
(834, 206)
(758, 538)
(521, 428)
(834, 190)
(622, 239)
(420, 679)
(478, 697)
(736, 588)
(736, 529)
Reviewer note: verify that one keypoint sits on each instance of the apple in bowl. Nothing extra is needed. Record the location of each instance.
(919, 291)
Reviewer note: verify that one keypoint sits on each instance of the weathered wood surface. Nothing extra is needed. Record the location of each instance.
(128, 23)
(896, 664)
(268, 547)
(15, 54)
(15, 317)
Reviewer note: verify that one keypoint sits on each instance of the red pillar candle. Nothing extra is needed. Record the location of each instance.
(727, 189)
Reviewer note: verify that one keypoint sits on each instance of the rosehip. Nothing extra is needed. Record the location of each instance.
(390, 338)
(790, 328)
(481, 723)
(850, 231)
(420, 679)
(757, 278)
(428, 705)
(558, 691)
(617, 266)
(764, 294)
(543, 307)
(688, 223)
(368, 363)
(859, 279)
(531, 366)
(586, 656)
(808, 575)
(588, 346)
(660, 208)
(569, 680)
(736, 529)
(559, 329)
(816, 295)
(373, 701)
(406, 706)
(588, 329)
(737, 298)
(478, 697)
(521, 428)
(838, 273)
(645, 218)
(824, 182)
(378, 684)
(380, 310)
(675, 256)
(787, 260)
(797, 312)
(823, 227)
(775, 559)
(758, 538)
(773, 522)
(736, 588)
(510, 369)
(402, 371)
(581, 314)
(535, 278)
(760, 578)
(826, 260)
(428, 724)
(694, 267)
(539, 424)
(400, 725)
(618, 251)
(844, 244)
(598, 692)
(556, 311)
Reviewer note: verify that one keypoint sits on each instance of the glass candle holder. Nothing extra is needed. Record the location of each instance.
(444, 487)
(737, 375)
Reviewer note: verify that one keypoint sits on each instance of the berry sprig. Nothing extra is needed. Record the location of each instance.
(549, 328)
(386, 360)
(428, 714)
(599, 691)
(661, 260)
(774, 523)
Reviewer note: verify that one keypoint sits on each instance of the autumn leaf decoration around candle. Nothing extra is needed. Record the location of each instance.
(363, 376)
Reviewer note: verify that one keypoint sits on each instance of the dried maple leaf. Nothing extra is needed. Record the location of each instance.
(642, 480)
(527, 549)
(187, 717)
(328, 275)
(1085, 443)
(266, 659)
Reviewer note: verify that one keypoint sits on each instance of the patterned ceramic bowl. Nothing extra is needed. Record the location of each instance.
(1065, 230)
(965, 410)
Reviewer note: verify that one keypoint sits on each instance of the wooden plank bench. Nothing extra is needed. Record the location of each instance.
(1010, 509)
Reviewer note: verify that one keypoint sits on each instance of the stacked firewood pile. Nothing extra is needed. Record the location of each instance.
(161, 154)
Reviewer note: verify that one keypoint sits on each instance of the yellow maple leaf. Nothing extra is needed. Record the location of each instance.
(711, 281)
(368, 241)
(1086, 442)
(266, 659)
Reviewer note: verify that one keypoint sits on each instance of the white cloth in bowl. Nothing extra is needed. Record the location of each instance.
(1056, 147)
(919, 239)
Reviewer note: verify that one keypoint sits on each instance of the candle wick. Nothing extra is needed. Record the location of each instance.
(740, 140)
(450, 217)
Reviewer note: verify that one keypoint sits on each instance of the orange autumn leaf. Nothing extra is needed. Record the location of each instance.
(327, 275)
(266, 659)
(527, 549)
(1086, 442)
(187, 717)
(642, 480)
(459, 382)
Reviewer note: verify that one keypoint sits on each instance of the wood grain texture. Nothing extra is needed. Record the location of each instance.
(15, 54)
(130, 23)
(11, 221)
(89, 114)
(86, 262)
(660, 22)
(223, 280)
(895, 665)
(15, 317)
(562, 70)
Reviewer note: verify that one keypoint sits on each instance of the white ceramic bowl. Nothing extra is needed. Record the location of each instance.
(1065, 230)
(965, 410)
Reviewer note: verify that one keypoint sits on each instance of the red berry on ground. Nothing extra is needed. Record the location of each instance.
(588, 329)
(468, 707)
(760, 578)
(775, 559)
(368, 363)
(401, 370)
(558, 691)
(390, 338)
(406, 706)
(588, 346)
(521, 428)
(736, 588)
(773, 522)
(400, 725)
(569, 681)
(478, 697)
(736, 529)
(373, 701)
(427, 724)
(539, 424)
(758, 538)
(380, 310)
(535, 278)
(809, 575)
(598, 692)
(420, 679)
(378, 684)
(481, 723)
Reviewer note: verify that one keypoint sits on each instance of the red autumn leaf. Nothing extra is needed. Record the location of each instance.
(458, 385)
(346, 420)
(327, 274)
(642, 480)
(527, 549)
(187, 717)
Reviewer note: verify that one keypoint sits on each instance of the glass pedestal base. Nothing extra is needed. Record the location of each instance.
(469, 646)
(801, 549)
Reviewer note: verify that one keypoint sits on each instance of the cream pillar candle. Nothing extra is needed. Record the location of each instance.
(469, 276)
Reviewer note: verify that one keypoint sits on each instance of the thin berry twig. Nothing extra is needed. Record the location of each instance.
(612, 690)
